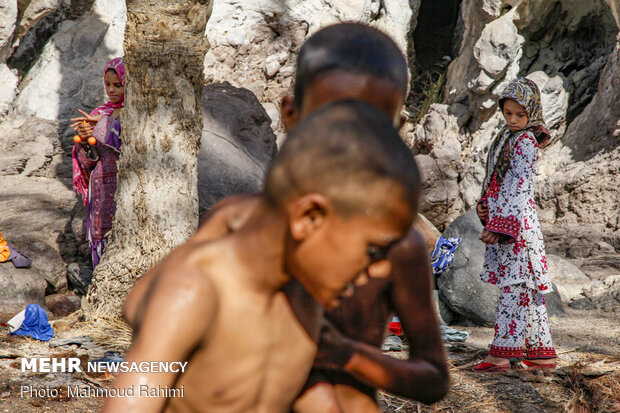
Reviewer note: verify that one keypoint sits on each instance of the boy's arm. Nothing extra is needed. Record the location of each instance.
(176, 320)
(424, 376)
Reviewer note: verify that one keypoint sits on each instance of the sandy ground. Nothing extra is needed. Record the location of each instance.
(587, 378)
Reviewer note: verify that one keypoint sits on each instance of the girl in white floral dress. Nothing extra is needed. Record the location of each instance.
(515, 255)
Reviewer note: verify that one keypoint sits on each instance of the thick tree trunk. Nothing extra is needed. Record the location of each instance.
(157, 197)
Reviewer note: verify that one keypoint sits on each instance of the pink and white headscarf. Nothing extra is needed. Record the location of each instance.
(118, 66)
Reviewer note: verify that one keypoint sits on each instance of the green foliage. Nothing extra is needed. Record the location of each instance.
(432, 89)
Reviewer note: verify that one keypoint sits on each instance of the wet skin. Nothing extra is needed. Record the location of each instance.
(401, 284)
(226, 305)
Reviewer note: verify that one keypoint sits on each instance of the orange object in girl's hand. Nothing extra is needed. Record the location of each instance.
(77, 139)
(92, 141)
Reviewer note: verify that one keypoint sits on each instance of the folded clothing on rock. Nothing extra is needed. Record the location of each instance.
(9, 253)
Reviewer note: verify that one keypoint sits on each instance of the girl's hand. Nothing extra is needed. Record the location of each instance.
(84, 130)
(86, 118)
(482, 210)
(489, 237)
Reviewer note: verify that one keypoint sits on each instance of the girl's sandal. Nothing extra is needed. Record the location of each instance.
(484, 367)
(528, 365)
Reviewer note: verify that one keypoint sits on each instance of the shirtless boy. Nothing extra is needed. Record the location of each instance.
(343, 184)
(340, 62)
(359, 62)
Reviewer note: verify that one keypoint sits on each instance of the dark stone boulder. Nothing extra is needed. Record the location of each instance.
(237, 143)
(18, 288)
(79, 277)
(460, 286)
(62, 305)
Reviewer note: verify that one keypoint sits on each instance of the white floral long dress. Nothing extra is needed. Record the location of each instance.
(518, 264)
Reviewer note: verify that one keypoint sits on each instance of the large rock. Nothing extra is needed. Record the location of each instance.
(35, 218)
(581, 180)
(35, 11)
(460, 286)
(237, 143)
(68, 74)
(254, 43)
(18, 288)
(438, 153)
(8, 91)
(490, 50)
(569, 280)
(603, 295)
(30, 147)
(8, 19)
(62, 305)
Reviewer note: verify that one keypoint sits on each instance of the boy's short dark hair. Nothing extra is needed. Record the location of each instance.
(348, 151)
(352, 48)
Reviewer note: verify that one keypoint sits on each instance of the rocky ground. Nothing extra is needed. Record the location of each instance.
(587, 378)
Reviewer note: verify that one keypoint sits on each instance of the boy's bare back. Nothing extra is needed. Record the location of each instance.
(202, 293)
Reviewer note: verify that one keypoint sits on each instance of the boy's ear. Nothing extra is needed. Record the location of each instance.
(288, 113)
(306, 215)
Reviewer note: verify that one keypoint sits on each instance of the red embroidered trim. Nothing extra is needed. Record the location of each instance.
(504, 225)
(513, 352)
(540, 353)
(529, 136)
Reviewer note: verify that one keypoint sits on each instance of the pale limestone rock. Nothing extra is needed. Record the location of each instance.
(569, 279)
(237, 144)
(440, 164)
(254, 44)
(554, 101)
(69, 73)
(8, 19)
(37, 10)
(498, 46)
(8, 80)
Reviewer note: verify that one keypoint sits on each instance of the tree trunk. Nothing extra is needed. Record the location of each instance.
(157, 196)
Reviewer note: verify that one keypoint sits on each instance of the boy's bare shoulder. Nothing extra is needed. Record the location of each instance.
(412, 245)
(188, 269)
(226, 214)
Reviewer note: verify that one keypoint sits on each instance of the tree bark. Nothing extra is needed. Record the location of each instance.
(157, 196)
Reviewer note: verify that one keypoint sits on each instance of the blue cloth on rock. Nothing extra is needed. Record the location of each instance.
(443, 253)
(36, 324)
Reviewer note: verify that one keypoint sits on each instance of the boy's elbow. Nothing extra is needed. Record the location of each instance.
(435, 387)
(440, 389)
(435, 390)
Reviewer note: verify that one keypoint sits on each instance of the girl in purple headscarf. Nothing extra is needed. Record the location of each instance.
(94, 172)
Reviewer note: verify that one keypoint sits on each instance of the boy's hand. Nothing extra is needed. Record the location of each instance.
(482, 210)
(489, 237)
(335, 349)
